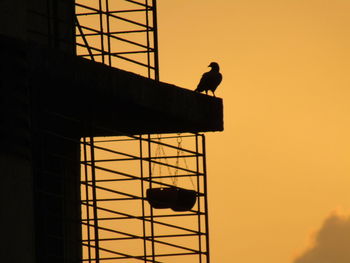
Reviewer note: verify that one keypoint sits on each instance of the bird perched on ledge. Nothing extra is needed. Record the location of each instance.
(210, 80)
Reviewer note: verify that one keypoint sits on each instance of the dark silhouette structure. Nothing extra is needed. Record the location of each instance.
(55, 107)
(210, 80)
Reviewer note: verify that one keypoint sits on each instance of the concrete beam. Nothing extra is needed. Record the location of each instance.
(117, 100)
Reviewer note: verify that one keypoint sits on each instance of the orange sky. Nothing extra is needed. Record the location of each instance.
(281, 167)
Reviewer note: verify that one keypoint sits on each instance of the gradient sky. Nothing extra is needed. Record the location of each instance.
(279, 175)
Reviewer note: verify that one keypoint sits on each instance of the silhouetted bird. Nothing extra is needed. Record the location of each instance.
(210, 80)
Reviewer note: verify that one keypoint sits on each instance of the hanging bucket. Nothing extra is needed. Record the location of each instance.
(161, 197)
(185, 200)
(178, 199)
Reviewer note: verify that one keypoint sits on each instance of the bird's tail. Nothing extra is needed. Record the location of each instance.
(199, 89)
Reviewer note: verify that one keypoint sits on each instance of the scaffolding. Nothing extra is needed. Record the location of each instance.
(125, 179)
(119, 33)
(118, 218)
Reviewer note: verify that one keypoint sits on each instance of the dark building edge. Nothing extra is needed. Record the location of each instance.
(42, 126)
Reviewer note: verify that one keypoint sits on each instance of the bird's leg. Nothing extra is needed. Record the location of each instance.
(206, 92)
(213, 93)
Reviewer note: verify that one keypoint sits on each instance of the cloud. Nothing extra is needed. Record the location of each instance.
(331, 243)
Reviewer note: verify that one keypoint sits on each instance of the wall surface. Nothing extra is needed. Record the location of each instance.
(16, 187)
(46, 22)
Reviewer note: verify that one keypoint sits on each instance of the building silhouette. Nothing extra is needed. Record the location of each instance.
(55, 100)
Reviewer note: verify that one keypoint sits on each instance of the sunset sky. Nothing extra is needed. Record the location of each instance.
(279, 175)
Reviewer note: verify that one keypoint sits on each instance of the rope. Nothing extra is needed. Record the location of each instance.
(159, 152)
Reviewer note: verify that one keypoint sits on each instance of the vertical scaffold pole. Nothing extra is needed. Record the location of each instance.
(143, 202)
(150, 186)
(94, 200)
(155, 40)
(101, 31)
(87, 199)
(198, 201)
(206, 197)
